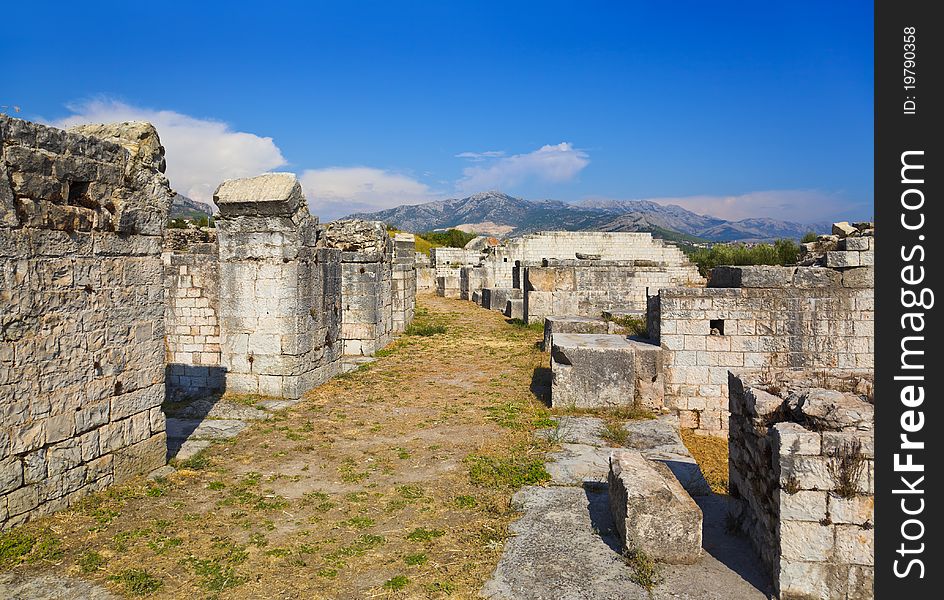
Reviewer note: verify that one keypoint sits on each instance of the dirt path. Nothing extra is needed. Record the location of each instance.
(392, 480)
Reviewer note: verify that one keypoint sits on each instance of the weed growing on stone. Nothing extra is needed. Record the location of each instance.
(845, 465)
(646, 571)
(614, 432)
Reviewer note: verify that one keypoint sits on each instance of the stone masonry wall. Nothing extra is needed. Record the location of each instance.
(81, 311)
(589, 287)
(565, 245)
(280, 302)
(801, 465)
(192, 291)
(404, 281)
(366, 283)
(775, 317)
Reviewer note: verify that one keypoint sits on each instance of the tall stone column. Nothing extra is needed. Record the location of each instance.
(279, 293)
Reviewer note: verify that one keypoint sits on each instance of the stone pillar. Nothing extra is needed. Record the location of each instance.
(279, 293)
(404, 281)
(366, 283)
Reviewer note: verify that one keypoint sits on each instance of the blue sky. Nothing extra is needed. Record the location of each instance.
(732, 109)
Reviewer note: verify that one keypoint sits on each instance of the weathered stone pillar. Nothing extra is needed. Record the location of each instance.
(366, 283)
(404, 281)
(279, 293)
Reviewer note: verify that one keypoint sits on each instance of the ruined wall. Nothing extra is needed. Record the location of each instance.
(280, 303)
(589, 287)
(801, 463)
(366, 283)
(404, 281)
(566, 245)
(81, 311)
(755, 317)
(192, 292)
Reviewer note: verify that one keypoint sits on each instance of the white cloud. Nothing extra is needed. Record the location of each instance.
(477, 156)
(335, 192)
(200, 153)
(800, 206)
(557, 163)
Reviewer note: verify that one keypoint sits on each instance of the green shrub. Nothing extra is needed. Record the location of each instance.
(452, 238)
(781, 252)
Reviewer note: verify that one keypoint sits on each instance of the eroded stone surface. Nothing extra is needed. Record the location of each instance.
(19, 586)
(652, 511)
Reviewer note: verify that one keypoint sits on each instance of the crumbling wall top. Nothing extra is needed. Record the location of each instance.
(355, 235)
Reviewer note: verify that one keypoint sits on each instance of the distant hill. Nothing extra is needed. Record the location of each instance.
(183, 207)
(499, 214)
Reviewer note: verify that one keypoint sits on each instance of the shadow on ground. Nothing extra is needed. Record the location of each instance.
(541, 384)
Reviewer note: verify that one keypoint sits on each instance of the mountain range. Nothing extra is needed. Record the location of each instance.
(496, 213)
(182, 207)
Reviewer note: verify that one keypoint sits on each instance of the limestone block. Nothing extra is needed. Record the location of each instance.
(841, 258)
(859, 244)
(590, 370)
(843, 229)
(817, 277)
(568, 324)
(271, 194)
(652, 511)
(648, 384)
(142, 457)
(759, 276)
(514, 308)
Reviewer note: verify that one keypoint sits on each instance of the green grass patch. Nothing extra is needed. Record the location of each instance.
(416, 559)
(537, 326)
(425, 329)
(18, 546)
(137, 582)
(421, 534)
(396, 583)
(91, 561)
(646, 572)
(512, 471)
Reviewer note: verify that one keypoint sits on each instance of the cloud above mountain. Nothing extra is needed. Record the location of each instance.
(200, 153)
(337, 191)
(549, 164)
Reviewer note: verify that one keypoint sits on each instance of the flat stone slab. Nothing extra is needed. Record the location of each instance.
(652, 511)
(592, 371)
(579, 464)
(23, 586)
(585, 456)
(564, 547)
(206, 429)
(210, 408)
(182, 449)
(566, 324)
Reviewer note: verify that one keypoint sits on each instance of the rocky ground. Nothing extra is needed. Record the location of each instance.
(393, 480)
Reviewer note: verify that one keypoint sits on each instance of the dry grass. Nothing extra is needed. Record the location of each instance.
(711, 454)
(415, 455)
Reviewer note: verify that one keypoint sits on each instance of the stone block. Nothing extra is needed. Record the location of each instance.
(514, 308)
(842, 259)
(652, 511)
(755, 276)
(568, 324)
(816, 277)
(592, 371)
(271, 194)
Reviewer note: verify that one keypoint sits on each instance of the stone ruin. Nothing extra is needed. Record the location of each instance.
(644, 330)
(106, 314)
(82, 354)
(801, 461)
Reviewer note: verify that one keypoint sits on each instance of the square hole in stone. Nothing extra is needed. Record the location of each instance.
(716, 326)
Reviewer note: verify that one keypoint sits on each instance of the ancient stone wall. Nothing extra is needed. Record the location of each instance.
(777, 317)
(566, 245)
(801, 463)
(590, 287)
(192, 293)
(280, 299)
(404, 281)
(81, 311)
(366, 283)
